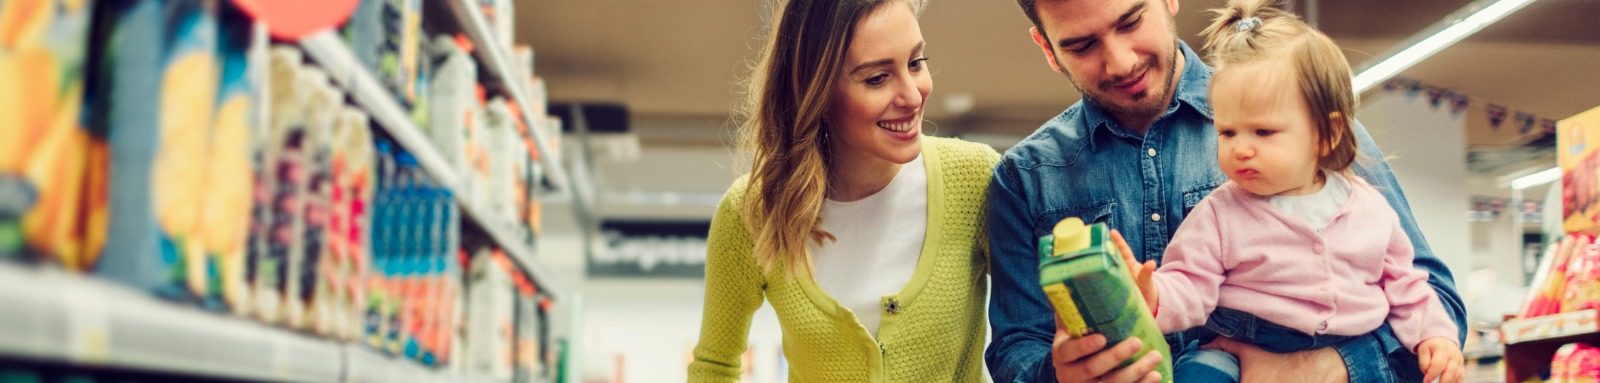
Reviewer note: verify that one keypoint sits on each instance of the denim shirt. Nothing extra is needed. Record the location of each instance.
(1082, 163)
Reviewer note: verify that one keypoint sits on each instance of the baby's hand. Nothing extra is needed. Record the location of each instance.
(1440, 359)
(1140, 271)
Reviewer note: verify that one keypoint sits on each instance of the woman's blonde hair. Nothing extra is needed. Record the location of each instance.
(783, 130)
(1247, 31)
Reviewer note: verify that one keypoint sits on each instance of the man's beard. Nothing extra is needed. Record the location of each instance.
(1145, 106)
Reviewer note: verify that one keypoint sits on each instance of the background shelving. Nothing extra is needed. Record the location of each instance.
(64, 315)
(331, 53)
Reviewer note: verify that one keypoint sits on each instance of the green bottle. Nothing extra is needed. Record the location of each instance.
(1084, 277)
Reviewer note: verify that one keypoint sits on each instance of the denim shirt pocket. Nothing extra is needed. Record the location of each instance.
(1100, 212)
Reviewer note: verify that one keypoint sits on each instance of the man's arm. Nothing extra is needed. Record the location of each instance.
(1019, 315)
(1376, 171)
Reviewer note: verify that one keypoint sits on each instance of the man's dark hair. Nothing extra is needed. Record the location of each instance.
(1030, 8)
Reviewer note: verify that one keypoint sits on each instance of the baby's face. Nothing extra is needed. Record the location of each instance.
(1266, 140)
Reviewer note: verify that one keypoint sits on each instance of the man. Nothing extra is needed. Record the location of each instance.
(1137, 153)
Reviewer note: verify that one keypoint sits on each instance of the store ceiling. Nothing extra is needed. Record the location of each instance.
(675, 63)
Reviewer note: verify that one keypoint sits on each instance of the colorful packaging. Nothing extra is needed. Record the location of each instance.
(452, 116)
(160, 63)
(406, 266)
(478, 175)
(500, 143)
(1087, 282)
(524, 55)
(242, 300)
(357, 178)
(218, 272)
(1548, 281)
(1576, 363)
(1582, 288)
(502, 16)
(310, 242)
(398, 53)
(286, 178)
(364, 33)
(384, 239)
(490, 318)
(527, 363)
(443, 277)
(1576, 143)
(43, 144)
(524, 182)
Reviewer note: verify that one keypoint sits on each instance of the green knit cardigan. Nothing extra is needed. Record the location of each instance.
(931, 331)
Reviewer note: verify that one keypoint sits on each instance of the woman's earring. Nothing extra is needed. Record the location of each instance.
(825, 129)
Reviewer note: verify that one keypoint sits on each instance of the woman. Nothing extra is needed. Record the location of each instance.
(865, 236)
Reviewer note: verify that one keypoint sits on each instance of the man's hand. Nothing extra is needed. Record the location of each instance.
(1082, 360)
(1257, 365)
(1141, 271)
(1440, 359)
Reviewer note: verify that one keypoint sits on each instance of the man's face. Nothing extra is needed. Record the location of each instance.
(1121, 54)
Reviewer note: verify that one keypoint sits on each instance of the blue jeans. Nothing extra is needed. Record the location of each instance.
(1192, 364)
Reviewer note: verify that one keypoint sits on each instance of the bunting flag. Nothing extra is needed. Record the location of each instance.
(1548, 125)
(1391, 84)
(1434, 95)
(1459, 103)
(1524, 122)
(1412, 88)
(1497, 115)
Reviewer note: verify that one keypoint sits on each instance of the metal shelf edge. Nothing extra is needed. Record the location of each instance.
(77, 319)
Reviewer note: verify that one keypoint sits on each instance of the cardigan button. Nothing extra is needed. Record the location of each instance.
(893, 306)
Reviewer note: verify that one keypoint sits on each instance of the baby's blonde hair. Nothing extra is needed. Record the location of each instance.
(1249, 31)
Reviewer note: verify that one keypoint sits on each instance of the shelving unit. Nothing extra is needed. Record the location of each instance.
(331, 53)
(1531, 343)
(53, 316)
(495, 61)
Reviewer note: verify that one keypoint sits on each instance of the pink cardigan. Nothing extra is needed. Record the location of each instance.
(1239, 251)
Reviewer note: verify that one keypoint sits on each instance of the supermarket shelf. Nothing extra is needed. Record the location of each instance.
(331, 53)
(58, 316)
(493, 58)
(1562, 325)
(1483, 353)
(368, 366)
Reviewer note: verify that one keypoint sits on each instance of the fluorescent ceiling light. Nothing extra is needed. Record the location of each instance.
(1451, 33)
(1536, 179)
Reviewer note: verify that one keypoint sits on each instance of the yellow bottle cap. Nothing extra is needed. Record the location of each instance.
(1070, 235)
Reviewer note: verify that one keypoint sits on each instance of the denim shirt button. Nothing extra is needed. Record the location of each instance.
(1151, 152)
(1155, 217)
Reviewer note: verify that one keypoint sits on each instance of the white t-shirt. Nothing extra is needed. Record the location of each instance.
(879, 242)
(1317, 209)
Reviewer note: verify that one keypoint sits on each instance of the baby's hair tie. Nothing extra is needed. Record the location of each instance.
(1247, 24)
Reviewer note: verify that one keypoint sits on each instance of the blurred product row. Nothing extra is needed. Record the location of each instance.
(184, 149)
